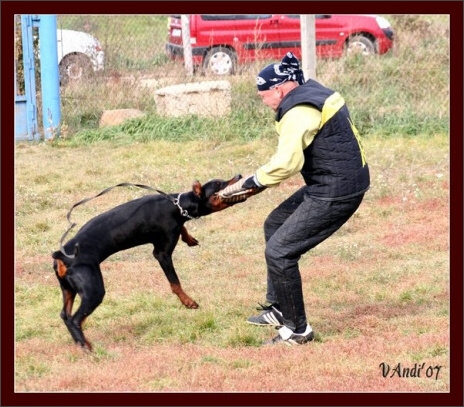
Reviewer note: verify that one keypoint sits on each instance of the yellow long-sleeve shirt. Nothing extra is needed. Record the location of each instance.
(296, 130)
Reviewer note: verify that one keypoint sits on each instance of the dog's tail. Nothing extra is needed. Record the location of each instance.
(62, 255)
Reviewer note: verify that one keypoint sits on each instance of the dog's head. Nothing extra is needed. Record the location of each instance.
(208, 199)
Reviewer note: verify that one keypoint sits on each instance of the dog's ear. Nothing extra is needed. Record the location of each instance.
(196, 187)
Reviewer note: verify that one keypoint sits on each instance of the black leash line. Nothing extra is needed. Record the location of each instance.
(123, 184)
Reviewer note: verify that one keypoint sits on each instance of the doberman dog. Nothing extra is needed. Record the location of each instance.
(156, 219)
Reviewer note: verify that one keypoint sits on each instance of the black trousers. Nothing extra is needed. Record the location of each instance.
(297, 225)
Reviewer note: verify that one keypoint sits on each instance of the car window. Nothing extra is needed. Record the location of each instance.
(234, 16)
(317, 15)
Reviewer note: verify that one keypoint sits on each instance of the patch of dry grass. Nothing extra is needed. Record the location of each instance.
(376, 292)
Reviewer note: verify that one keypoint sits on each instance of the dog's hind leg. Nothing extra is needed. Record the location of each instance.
(88, 282)
(68, 300)
(69, 294)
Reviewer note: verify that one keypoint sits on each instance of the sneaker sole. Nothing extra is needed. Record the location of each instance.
(289, 342)
(265, 324)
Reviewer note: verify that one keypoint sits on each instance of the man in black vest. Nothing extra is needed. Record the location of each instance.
(318, 139)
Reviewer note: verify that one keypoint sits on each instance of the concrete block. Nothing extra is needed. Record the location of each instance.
(118, 116)
(199, 98)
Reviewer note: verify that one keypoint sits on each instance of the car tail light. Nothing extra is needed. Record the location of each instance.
(382, 22)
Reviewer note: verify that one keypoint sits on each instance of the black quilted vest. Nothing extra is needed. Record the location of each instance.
(334, 165)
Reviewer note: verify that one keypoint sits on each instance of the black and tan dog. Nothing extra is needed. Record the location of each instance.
(153, 219)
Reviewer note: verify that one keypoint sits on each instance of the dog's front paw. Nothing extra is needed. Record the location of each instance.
(191, 304)
(191, 241)
(188, 238)
(183, 297)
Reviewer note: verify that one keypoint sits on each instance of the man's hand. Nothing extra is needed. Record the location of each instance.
(241, 190)
(250, 183)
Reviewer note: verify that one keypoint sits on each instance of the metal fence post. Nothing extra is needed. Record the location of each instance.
(49, 76)
(29, 76)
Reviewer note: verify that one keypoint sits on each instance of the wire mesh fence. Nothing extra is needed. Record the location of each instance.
(411, 80)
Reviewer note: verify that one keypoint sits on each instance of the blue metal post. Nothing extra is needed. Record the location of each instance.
(49, 76)
(29, 77)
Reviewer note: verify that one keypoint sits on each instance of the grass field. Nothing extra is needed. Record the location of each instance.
(377, 292)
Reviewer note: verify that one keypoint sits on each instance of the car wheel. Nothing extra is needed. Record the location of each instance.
(75, 67)
(359, 44)
(220, 61)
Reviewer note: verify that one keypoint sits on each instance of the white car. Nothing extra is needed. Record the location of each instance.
(79, 55)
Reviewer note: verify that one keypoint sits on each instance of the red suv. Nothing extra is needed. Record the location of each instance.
(222, 41)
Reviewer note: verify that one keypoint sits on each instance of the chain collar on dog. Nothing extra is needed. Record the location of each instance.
(124, 184)
(183, 211)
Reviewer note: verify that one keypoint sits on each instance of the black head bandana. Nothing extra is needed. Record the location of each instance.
(276, 74)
